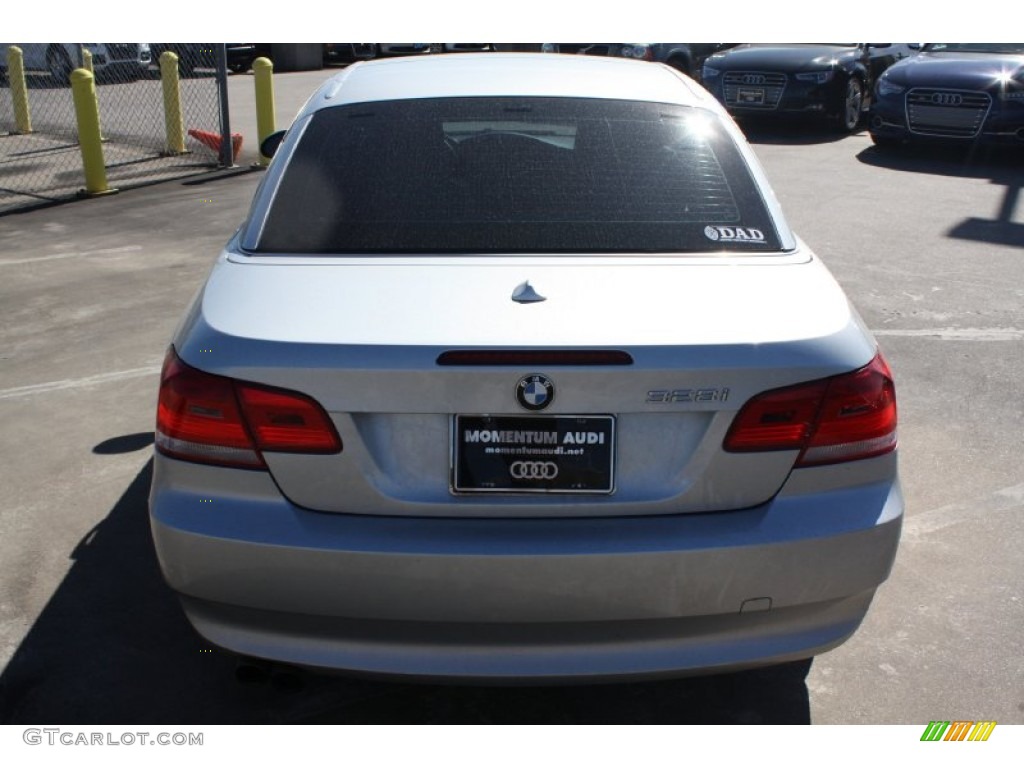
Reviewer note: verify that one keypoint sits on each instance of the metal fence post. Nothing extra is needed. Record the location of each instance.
(83, 91)
(226, 156)
(173, 124)
(19, 91)
(263, 73)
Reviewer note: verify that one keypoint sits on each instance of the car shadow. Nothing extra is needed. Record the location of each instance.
(124, 444)
(784, 130)
(773, 695)
(113, 646)
(1001, 165)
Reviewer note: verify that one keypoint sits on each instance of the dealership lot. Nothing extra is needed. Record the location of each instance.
(928, 245)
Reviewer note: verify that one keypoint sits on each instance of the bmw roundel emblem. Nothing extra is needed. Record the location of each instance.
(535, 392)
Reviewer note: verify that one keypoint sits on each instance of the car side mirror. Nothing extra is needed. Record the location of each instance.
(270, 144)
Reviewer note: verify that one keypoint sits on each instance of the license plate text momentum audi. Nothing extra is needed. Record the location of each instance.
(534, 454)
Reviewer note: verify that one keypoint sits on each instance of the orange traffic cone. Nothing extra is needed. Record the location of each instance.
(213, 141)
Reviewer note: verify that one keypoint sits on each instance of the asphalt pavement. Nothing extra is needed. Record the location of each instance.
(928, 245)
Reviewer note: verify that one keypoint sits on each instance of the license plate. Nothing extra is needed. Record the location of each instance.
(533, 454)
(750, 96)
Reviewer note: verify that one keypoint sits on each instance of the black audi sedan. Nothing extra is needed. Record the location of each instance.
(952, 92)
(830, 80)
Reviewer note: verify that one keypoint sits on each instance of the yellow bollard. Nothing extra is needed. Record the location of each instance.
(263, 73)
(83, 92)
(19, 91)
(87, 64)
(173, 123)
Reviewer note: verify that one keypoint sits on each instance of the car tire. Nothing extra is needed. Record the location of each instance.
(682, 65)
(850, 112)
(60, 67)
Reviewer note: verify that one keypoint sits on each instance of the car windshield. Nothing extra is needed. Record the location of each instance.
(1004, 48)
(516, 175)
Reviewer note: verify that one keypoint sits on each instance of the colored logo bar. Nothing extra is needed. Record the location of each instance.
(958, 730)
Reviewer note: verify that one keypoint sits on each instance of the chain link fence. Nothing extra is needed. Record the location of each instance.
(45, 164)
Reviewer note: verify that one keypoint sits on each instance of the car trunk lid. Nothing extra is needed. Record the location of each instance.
(364, 337)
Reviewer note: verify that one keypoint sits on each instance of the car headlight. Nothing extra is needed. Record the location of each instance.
(1011, 87)
(709, 72)
(888, 88)
(634, 51)
(816, 77)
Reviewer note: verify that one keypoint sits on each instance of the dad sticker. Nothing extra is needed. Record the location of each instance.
(734, 234)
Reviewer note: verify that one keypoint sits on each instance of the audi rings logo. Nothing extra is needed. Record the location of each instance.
(534, 470)
(948, 99)
(753, 79)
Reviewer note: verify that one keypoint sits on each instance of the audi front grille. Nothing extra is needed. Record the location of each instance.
(770, 84)
(950, 114)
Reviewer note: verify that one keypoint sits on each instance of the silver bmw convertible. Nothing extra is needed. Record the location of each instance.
(516, 372)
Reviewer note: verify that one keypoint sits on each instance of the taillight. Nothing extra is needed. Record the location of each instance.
(216, 420)
(287, 421)
(843, 418)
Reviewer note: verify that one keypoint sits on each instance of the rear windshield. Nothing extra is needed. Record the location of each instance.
(516, 175)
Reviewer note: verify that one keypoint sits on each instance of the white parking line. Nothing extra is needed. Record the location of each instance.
(88, 381)
(956, 334)
(933, 520)
(73, 254)
(947, 334)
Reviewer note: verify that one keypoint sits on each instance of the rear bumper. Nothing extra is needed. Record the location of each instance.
(570, 651)
(526, 598)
